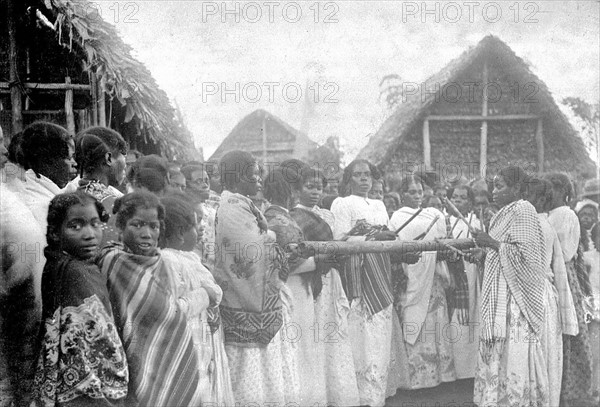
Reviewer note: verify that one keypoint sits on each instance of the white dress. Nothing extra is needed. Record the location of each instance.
(331, 315)
(370, 335)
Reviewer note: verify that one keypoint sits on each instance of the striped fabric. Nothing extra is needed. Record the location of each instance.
(162, 361)
(516, 268)
(367, 276)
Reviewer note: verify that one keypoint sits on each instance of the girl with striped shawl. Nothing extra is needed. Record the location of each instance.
(163, 365)
(511, 368)
(366, 280)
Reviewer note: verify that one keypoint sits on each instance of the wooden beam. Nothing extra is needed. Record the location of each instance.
(15, 91)
(101, 105)
(426, 145)
(44, 111)
(371, 246)
(539, 138)
(484, 126)
(93, 90)
(70, 116)
(49, 86)
(481, 118)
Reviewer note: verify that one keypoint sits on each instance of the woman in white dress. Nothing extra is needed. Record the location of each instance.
(331, 304)
(425, 347)
(366, 279)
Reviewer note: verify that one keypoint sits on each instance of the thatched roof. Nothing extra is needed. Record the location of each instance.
(411, 112)
(123, 78)
(283, 141)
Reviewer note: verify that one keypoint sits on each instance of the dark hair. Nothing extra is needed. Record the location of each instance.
(394, 196)
(92, 144)
(15, 151)
(179, 215)
(277, 189)
(234, 166)
(470, 193)
(150, 172)
(409, 179)
(327, 201)
(347, 176)
(43, 141)
(513, 175)
(57, 212)
(126, 206)
(428, 198)
(537, 188)
(188, 169)
(561, 182)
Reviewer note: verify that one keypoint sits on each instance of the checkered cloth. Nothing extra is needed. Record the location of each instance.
(516, 268)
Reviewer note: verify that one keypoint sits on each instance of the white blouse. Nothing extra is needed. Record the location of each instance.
(350, 209)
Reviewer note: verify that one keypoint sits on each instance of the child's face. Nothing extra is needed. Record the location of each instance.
(81, 231)
(587, 217)
(141, 231)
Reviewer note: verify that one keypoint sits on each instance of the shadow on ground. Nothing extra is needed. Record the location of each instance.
(454, 394)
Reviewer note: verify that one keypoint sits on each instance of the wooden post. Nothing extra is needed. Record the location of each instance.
(539, 138)
(426, 145)
(484, 126)
(70, 116)
(264, 140)
(94, 89)
(15, 92)
(101, 105)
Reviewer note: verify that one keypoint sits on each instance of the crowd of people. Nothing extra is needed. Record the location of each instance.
(128, 280)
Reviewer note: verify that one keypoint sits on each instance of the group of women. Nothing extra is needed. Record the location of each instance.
(132, 316)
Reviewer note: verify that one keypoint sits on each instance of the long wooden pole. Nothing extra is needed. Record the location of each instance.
(69, 115)
(15, 92)
(101, 105)
(426, 145)
(539, 138)
(396, 246)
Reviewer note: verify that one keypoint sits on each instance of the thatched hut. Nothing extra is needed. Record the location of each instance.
(61, 62)
(446, 123)
(267, 137)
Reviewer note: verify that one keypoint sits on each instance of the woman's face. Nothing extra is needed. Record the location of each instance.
(141, 231)
(311, 192)
(460, 199)
(376, 191)
(199, 185)
(361, 181)
(81, 231)
(413, 197)
(587, 217)
(502, 193)
(250, 181)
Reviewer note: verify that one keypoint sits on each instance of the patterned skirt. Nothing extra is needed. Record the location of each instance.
(577, 354)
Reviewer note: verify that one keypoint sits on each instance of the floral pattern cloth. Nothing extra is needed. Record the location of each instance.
(82, 359)
(512, 372)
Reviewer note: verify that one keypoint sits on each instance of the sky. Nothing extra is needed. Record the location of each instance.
(219, 61)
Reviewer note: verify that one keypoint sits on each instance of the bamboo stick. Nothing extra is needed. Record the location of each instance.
(433, 222)
(69, 115)
(460, 216)
(390, 246)
(408, 221)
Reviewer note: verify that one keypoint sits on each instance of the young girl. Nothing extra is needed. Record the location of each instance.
(82, 361)
(162, 360)
(198, 296)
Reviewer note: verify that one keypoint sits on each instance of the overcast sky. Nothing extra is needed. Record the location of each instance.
(342, 49)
